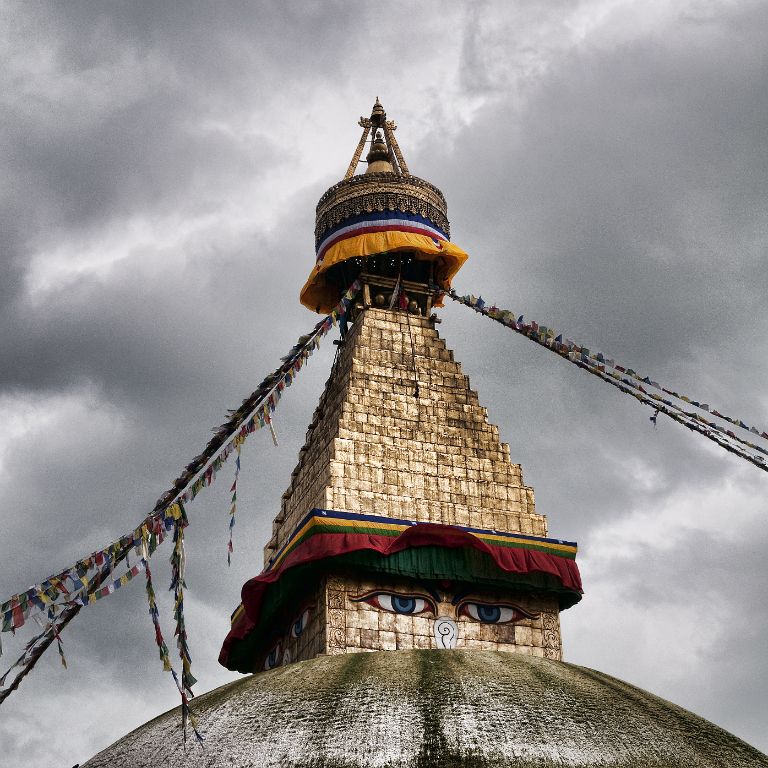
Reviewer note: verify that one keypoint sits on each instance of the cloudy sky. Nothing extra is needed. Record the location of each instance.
(604, 163)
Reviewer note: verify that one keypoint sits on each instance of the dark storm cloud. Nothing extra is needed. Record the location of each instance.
(216, 44)
(610, 186)
(132, 333)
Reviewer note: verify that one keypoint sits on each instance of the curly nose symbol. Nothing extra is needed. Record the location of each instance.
(446, 632)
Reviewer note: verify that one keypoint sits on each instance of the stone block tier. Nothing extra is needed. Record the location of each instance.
(374, 447)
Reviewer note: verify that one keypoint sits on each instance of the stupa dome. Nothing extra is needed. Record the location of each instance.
(433, 708)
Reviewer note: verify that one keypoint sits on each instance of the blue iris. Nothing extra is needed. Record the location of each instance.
(403, 604)
(490, 614)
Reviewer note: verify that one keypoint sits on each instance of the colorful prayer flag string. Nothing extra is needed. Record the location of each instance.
(201, 471)
(163, 649)
(155, 614)
(39, 644)
(596, 364)
(113, 585)
(540, 331)
(57, 635)
(73, 587)
(271, 426)
(178, 563)
(69, 585)
(233, 507)
(20, 662)
(78, 585)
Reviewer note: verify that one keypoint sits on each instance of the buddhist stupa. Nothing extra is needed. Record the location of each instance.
(407, 613)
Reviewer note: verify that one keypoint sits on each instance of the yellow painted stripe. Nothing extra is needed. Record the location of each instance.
(318, 520)
(321, 297)
(237, 614)
(533, 542)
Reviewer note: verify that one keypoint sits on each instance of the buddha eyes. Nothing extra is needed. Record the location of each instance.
(413, 605)
(491, 613)
(277, 655)
(273, 658)
(404, 604)
(300, 624)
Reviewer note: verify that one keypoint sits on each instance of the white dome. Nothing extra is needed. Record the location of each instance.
(424, 708)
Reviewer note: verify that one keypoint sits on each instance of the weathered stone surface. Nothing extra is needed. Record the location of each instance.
(433, 708)
(373, 447)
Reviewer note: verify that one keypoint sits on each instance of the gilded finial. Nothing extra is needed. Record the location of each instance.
(393, 162)
(378, 115)
(378, 158)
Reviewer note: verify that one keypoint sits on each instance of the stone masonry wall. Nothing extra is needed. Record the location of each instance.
(374, 448)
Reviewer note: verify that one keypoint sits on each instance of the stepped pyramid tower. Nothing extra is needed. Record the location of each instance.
(407, 614)
(375, 449)
(399, 454)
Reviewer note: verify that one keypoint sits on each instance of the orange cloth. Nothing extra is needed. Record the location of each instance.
(320, 297)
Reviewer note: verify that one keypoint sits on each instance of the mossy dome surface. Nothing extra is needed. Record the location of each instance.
(433, 708)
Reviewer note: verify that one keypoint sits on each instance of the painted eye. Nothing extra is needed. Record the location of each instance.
(490, 613)
(273, 658)
(300, 624)
(405, 605)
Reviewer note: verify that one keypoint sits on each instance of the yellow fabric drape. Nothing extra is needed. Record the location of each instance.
(318, 296)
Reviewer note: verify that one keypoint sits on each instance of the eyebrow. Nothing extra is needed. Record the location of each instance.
(529, 614)
(432, 593)
(397, 591)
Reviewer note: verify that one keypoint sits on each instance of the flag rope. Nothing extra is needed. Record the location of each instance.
(78, 585)
(630, 382)
(233, 502)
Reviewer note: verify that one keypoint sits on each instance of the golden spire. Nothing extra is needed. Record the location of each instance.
(383, 141)
(380, 210)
